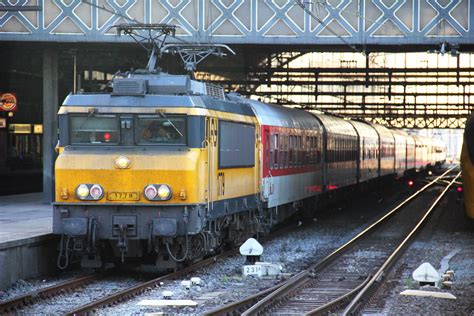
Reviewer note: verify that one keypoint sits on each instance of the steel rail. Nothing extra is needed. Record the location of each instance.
(327, 307)
(303, 276)
(234, 306)
(10, 305)
(383, 270)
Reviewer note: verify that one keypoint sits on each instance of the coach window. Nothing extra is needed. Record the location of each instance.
(282, 152)
(350, 150)
(272, 150)
(290, 151)
(307, 150)
(318, 149)
(355, 150)
(302, 151)
(344, 150)
(295, 151)
(267, 150)
(330, 150)
(275, 153)
(286, 150)
(299, 150)
(297, 146)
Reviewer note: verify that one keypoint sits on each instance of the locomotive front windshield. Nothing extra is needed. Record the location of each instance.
(152, 130)
(97, 129)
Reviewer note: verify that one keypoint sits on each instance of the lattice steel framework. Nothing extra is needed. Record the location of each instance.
(429, 97)
(283, 22)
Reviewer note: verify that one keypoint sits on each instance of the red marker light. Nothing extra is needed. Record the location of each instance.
(107, 137)
(410, 183)
(459, 189)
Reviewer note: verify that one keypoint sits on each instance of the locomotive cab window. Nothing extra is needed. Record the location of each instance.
(94, 129)
(153, 130)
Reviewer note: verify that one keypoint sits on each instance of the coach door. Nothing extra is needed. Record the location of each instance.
(267, 178)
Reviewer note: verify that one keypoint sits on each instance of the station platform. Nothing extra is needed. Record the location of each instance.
(27, 245)
(24, 216)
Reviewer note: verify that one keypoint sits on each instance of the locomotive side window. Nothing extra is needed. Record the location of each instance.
(152, 130)
(237, 145)
(94, 129)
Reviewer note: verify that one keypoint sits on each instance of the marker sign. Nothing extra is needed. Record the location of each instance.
(8, 102)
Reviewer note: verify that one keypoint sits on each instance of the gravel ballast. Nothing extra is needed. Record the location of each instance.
(448, 231)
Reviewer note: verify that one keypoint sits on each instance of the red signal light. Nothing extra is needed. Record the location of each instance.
(459, 189)
(107, 137)
(410, 183)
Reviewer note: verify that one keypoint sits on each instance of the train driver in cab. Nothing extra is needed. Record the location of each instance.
(156, 132)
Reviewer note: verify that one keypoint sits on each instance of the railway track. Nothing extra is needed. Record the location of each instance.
(14, 304)
(138, 289)
(9, 306)
(328, 285)
(342, 292)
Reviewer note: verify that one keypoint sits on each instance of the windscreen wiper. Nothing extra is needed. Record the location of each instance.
(163, 115)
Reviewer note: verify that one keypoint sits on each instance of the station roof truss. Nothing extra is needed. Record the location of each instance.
(426, 97)
(341, 23)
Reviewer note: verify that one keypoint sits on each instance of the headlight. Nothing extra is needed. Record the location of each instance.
(157, 192)
(82, 192)
(89, 192)
(96, 192)
(150, 192)
(164, 192)
(122, 162)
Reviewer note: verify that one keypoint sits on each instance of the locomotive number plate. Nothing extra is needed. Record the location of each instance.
(123, 196)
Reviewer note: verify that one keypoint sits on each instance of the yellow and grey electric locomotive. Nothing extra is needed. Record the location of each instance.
(159, 170)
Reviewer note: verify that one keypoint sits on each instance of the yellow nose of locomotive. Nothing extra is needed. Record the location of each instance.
(165, 177)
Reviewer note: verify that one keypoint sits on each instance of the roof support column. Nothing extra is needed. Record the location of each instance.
(50, 121)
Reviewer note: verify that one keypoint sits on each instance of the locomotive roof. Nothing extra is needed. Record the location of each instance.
(153, 100)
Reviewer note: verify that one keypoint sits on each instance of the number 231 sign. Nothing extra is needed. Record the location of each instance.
(8, 102)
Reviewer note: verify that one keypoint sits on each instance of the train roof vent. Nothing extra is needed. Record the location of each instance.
(129, 87)
(215, 91)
